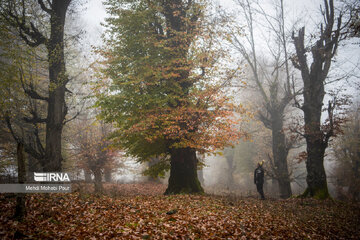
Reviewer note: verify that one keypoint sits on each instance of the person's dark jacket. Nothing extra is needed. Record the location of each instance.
(259, 175)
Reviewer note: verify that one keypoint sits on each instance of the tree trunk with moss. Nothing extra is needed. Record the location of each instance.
(57, 108)
(183, 172)
(280, 153)
(316, 144)
(316, 176)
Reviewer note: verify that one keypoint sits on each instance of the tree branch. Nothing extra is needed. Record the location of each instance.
(265, 120)
(43, 7)
(300, 60)
(72, 118)
(9, 126)
(31, 35)
(35, 120)
(27, 147)
(38, 141)
(330, 132)
(296, 102)
(34, 95)
(30, 92)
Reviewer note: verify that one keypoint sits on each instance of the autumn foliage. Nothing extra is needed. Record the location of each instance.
(149, 216)
(157, 83)
(91, 150)
(161, 84)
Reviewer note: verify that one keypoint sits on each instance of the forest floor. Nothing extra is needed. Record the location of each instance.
(140, 211)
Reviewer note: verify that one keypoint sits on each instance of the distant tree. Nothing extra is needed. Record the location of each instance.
(162, 92)
(352, 8)
(229, 157)
(90, 147)
(314, 76)
(273, 83)
(346, 149)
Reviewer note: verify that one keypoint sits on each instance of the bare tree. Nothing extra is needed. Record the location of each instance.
(352, 8)
(231, 167)
(346, 150)
(277, 93)
(314, 76)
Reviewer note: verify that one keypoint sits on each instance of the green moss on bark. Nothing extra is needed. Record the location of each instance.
(320, 193)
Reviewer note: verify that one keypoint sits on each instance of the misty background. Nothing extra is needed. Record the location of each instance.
(218, 174)
(231, 170)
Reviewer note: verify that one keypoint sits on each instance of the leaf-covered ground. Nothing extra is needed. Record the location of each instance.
(153, 216)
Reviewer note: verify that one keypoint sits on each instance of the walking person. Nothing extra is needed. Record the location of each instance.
(259, 179)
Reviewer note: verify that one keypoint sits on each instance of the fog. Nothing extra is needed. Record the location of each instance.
(218, 176)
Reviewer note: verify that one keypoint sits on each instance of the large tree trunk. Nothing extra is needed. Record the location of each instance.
(280, 153)
(56, 102)
(183, 172)
(316, 176)
(353, 190)
(20, 209)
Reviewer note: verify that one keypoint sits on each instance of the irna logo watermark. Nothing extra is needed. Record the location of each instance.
(51, 177)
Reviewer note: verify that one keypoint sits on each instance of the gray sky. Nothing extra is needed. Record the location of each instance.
(308, 10)
(95, 13)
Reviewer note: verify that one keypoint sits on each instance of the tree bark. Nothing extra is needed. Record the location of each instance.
(315, 144)
(20, 209)
(57, 108)
(183, 172)
(280, 153)
(316, 176)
